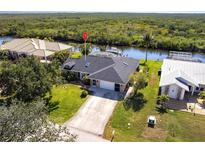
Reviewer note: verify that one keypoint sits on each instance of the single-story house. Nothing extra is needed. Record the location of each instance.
(29, 46)
(180, 77)
(111, 73)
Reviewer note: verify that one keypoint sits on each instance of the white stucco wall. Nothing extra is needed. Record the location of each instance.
(162, 90)
(182, 94)
(173, 91)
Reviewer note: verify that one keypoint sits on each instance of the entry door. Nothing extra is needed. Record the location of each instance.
(117, 87)
(173, 91)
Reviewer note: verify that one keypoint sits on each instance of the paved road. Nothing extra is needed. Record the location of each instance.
(93, 115)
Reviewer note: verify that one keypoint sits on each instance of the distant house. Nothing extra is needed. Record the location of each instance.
(105, 72)
(27, 46)
(181, 77)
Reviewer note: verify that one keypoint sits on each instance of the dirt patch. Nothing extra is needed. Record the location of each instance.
(156, 132)
(153, 79)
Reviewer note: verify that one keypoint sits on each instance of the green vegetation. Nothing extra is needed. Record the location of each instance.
(76, 55)
(162, 99)
(61, 56)
(171, 126)
(4, 55)
(25, 79)
(138, 81)
(69, 98)
(136, 99)
(22, 122)
(25, 84)
(202, 95)
(171, 31)
(148, 38)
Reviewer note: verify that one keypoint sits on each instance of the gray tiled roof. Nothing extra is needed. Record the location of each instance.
(109, 74)
(95, 63)
(113, 69)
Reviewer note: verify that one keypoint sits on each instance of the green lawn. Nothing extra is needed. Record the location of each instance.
(171, 126)
(76, 55)
(68, 95)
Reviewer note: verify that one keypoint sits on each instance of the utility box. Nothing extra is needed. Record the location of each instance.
(151, 121)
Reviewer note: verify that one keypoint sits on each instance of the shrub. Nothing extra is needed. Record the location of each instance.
(84, 94)
(68, 76)
(61, 56)
(86, 80)
(4, 55)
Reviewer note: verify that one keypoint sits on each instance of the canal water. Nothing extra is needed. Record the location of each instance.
(138, 53)
(5, 38)
(134, 52)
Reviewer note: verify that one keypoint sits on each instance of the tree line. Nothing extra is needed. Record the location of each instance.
(170, 31)
(25, 100)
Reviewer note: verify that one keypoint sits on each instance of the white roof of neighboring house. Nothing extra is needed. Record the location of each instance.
(182, 72)
(41, 53)
(35, 47)
(171, 78)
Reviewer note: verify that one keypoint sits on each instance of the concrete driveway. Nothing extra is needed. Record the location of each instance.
(95, 113)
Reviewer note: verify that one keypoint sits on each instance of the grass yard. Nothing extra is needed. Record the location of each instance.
(76, 55)
(68, 96)
(171, 126)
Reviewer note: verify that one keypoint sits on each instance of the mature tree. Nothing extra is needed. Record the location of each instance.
(4, 55)
(148, 38)
(136, 100)
(28, 122)
(162, 100)
(54, 72)
(61, 56)
(24, 80)
(86, 80)
(138, 80)
(172, 32)
(88, 48)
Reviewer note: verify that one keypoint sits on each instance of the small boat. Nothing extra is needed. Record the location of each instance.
(114, 50)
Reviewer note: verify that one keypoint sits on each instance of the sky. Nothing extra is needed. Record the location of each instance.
(104, 5)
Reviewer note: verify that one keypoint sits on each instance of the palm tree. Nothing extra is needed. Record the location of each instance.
(148, 38)
(138, 81)
(162, 100)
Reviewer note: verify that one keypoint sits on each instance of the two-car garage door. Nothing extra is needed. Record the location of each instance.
(107, 85)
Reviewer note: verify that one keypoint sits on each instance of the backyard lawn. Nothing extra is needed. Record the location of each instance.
(171, 126)
(68, 96)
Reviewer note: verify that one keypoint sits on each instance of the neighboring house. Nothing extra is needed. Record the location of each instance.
(181, 77)
(105, 72)
(27, 46)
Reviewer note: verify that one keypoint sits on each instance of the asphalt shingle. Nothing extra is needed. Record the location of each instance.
(113, 69)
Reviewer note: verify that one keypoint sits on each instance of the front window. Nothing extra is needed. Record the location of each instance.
(94, 82)
(78, 74)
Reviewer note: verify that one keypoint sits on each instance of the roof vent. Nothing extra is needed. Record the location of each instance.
(125, 63)
(69, 65)
(87, 64)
